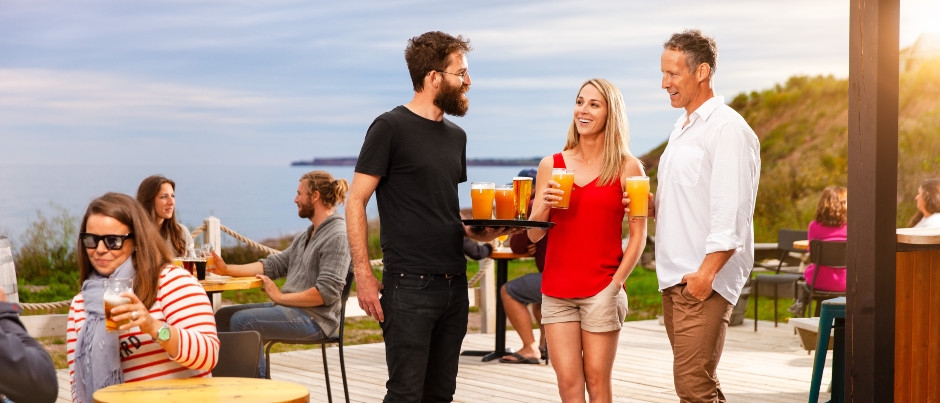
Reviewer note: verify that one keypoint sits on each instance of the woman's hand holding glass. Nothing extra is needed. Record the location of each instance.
(552, 193)
(135, 314)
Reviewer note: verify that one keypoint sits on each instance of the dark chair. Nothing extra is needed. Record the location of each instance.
(239, 354)
(338, 339)
(824, 253)
(785, 239)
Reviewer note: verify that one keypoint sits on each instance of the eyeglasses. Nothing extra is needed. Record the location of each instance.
(463, 76)
(112, 242)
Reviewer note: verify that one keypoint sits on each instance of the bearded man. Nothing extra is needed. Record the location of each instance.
(307, 307)
(412, 159)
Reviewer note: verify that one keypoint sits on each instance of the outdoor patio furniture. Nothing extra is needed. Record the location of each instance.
(785, 238)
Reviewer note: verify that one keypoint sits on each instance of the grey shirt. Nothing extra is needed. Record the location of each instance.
(321, 262)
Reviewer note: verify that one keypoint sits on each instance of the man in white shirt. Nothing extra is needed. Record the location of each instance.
(708, 178)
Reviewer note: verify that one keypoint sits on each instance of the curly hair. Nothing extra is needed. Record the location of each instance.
(697, 47)
(431, 51)
(151, 253)
(832, 209)
(332, 192)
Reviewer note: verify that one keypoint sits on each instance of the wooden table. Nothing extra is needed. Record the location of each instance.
(502, 272)
(213, 287)
(801, 245)
(204, 390)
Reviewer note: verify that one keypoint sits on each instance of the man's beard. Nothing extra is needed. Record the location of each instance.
(452, 100)
(305, 211)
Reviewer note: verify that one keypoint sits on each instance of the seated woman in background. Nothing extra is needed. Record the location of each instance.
(169, 330)
(928, 205)
(829, 224)
(158, 196)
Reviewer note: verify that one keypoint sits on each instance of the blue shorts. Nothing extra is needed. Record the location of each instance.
(526, 289)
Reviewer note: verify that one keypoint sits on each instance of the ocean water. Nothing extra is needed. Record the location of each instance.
(255, 201)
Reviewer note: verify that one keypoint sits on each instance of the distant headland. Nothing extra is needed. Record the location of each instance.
(476, 162)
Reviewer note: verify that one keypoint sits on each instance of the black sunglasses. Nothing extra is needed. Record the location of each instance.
(112, 242)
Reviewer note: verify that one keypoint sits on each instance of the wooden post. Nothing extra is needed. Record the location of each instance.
(488, 295)
(213, 236)
(8, 272)
(873, 167)
(213, 233)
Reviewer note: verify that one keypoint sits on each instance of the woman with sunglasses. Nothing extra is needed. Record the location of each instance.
(158, 196)
(167, 330)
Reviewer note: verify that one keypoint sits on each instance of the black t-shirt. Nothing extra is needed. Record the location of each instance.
(420, 163)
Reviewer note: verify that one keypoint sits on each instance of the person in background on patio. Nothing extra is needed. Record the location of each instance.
(928, 205)
(704, 210)
(829, 224)
(520, 292)
(584, 302)
(308, 306)
(473, 249)
(158, 196)
(412, 158)
(26, 371)
(171, 332)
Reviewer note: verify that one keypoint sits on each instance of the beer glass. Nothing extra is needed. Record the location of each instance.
(522, 189)
(565, 178)
(505, 202)
(207, 254)
(638, 188)
(113, 288)
(481, 197)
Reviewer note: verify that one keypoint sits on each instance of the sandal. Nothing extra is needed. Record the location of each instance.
(544, 351)
(518, 359)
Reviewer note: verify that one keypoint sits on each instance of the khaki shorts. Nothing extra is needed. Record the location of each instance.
(603, 312)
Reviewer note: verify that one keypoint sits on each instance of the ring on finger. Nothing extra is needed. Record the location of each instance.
(134, 315)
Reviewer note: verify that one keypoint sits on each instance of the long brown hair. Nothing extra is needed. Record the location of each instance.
(150, 254)
(146, 194)
(930, 192)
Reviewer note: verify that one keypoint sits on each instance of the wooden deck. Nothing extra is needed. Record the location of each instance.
(766, 366)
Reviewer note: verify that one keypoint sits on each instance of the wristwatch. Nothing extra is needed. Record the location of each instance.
(163, 335)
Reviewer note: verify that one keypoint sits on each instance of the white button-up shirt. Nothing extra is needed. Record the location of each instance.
(708, 177)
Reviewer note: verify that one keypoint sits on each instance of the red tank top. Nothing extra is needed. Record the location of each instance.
(584, 249)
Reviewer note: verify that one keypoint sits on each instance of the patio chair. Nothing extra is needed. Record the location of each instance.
(239, 354)
(785, 239)
(824, 253)
(338, 339)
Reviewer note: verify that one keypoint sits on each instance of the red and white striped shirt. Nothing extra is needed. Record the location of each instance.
(182, 303)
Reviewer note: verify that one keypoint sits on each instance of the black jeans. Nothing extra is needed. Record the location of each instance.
(425, 323)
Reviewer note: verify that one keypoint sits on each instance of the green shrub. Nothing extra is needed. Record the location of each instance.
(45, 256)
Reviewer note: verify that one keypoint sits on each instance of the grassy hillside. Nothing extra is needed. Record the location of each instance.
(803, 130)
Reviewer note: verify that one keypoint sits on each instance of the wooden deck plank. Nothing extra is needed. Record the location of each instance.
(765, 366)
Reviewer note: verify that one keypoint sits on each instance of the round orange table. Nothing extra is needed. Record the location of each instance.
(204, 390)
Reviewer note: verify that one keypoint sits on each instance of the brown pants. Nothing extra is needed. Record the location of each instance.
(696, 331)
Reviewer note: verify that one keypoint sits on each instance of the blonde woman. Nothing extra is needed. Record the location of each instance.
(584, 303)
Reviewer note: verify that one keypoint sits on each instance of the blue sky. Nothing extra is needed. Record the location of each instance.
(269, 82)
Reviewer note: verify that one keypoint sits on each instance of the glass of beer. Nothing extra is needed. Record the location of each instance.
(638, 188)
(522, 189)
(565, 178)
(481, 197)
(505, 202)
(207, 254)
(189, 264)
(113, 288)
